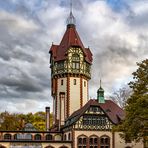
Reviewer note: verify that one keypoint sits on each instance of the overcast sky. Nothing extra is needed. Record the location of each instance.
(115, 30)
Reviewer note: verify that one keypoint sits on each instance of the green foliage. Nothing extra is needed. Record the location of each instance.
(135, 125)
(11, 121)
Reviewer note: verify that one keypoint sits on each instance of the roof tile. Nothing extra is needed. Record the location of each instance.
(70, 39)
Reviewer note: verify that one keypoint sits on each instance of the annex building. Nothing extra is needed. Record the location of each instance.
(78, 121)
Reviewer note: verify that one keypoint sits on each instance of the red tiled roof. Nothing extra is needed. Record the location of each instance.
(112, 110)
(70, 38)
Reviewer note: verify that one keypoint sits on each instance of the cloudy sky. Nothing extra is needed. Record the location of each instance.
(115, 30)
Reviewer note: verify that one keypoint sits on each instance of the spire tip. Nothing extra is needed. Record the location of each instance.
(71, 19)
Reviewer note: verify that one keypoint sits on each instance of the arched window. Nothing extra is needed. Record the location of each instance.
(49, 146)
(48, 137)
(104, 142)
(82, 141)
(37, 137)
(15, 137)
(93, 141)
(65, 137)
(58, 137)
(63, 147)
(75, 62)
(7, 137)
(1, 146)
(69, 136)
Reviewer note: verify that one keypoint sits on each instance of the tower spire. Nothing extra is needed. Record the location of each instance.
(71, 19)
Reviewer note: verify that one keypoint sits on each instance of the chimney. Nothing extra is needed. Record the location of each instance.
(47, 118)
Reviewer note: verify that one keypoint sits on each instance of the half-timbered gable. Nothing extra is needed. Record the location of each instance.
(96, 116)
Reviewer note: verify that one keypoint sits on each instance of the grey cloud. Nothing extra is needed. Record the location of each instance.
(24, 58)
(138, 20)
(22, 83)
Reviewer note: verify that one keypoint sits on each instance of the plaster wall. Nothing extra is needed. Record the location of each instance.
(61, 88)
(74, 94)
(84, 91)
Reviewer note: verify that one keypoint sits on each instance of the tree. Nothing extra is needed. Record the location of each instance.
(120, 96)
(135, 125)
(11, 121)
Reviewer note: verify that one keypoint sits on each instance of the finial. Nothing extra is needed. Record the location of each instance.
(70, 6)
(71, 19)
(100, 83)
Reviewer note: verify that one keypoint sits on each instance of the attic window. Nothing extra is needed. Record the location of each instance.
(95, 109)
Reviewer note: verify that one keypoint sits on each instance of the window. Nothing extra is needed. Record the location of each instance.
(82, 141)
(84, 83)
(37, 137)
(28, 136)
(87, 68)
(61, 82)
(62, 95)
(96, 120)
(74, 82)
(93, 142)
(105, 142)
(75, 65)
(75, 62)
(7, 137)
(69, 137)
(1, 146)
(49, 147)
(48, 137)
(15, 136)
(60, 65)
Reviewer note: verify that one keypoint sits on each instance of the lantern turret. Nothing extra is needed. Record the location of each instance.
(100, 94)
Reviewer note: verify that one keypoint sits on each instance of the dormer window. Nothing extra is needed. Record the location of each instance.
(75, 61)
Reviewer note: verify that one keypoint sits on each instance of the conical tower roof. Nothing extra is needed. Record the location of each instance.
(70, 39)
